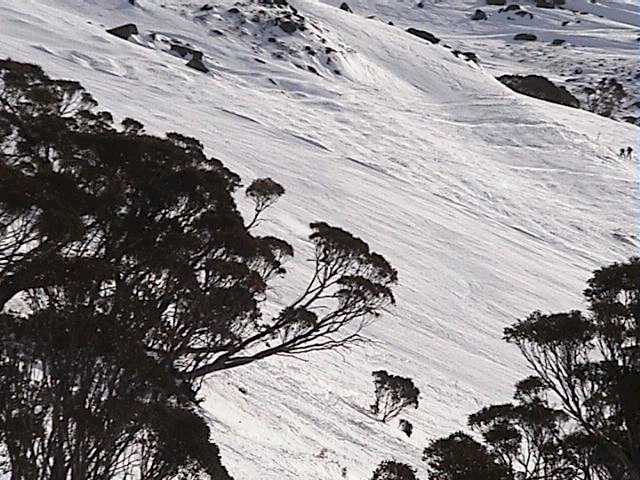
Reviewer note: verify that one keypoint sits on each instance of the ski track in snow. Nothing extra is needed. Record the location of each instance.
(490, 204)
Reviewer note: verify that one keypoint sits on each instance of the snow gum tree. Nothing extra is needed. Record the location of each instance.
(393, 394)
(591, 361)
(578, 416)
(392, 470)
(127, 274)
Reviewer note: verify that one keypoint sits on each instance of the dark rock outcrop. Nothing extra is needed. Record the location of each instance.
(479, 15)
(525, 37)
(124, 31)
(288, 26)
(522, 13)
(497, 2)
(470, 56)
(184, 51)
(197, 64)
(540, 87)
(345, 7)
(429, 37)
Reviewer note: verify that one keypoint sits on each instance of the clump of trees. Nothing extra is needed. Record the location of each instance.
(392, 470)
(460, 457)
(578, 416)
(606, 97)
(127, 274)
(393, 394)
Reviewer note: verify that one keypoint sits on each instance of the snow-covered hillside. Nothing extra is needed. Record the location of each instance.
(596, 38)
(490, 204)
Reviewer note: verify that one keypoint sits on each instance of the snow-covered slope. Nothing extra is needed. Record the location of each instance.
(599, 38)
(490, 204)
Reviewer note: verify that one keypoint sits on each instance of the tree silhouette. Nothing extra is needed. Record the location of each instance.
(127, 274)
(393, 394)
(460, 457)
(578, 417)
(392, 470)
(526, 436)
(591, 362)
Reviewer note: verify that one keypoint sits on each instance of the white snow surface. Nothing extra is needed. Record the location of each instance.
(490, 204)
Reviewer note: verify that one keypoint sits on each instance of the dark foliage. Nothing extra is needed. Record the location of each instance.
(406, 427)
(135, 275)
(525, 437)
(578, 417)
(460, 457)
(393, 394)
(391, 470)
(591, 362)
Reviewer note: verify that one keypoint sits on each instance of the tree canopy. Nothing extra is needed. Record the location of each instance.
(578, 416)
(127, 274)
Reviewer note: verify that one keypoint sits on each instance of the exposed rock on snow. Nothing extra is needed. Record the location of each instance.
(527, 37)
(429, 37)
(197, 64)
(479, 15)
(540, 87)
(124, 31)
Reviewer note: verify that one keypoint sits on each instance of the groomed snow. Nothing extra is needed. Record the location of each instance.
(490, 204)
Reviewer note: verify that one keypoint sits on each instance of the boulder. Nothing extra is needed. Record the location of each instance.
(522, 13)
(429, 37)
(288, 26)
(469, 56)
(124, 31)
(558, 41)
(525, 37)
(184, 51)
(197, 64)
(540, 87)
(345, 7)
(479, 15)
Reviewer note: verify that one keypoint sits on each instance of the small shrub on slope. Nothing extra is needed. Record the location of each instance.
(393, 394)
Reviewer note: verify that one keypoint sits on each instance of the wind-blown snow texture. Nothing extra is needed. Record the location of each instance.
(490, 204)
